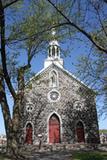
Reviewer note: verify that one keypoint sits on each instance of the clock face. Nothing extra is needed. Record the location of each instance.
(53, 95)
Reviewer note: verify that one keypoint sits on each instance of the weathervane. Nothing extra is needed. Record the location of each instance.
(53, 32)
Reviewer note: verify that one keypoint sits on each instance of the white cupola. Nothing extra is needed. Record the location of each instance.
(53, 53)
(54, 49)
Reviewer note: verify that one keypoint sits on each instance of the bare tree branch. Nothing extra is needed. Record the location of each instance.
(101, 22)
(78, 28)
(105, 1)
(9, 4)
(3, 52)
(33, 36)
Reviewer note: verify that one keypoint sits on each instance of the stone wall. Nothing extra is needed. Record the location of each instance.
(76, 103)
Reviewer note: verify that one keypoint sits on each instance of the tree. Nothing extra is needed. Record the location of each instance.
(31, 32)
(91, 68)
(24, 32)
(87, 6)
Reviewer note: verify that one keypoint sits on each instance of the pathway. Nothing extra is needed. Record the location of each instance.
(52, 156)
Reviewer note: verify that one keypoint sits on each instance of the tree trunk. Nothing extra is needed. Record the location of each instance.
(6, 116)
(11, 126)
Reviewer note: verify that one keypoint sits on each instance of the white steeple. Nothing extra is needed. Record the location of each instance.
(53, 53)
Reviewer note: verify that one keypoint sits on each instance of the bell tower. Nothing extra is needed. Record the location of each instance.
(53, 53)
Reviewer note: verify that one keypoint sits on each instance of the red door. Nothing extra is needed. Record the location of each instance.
(80, 132)
(29, 134)
(54, 129)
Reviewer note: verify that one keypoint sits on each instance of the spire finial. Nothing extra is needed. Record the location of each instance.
(53, 32)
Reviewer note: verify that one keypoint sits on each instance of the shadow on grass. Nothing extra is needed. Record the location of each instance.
(95, 155)
(4, 157)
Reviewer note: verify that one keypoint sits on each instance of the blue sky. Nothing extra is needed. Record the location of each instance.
(77, 49)
(69, 63)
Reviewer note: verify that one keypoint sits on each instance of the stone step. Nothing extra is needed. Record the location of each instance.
(31, 149)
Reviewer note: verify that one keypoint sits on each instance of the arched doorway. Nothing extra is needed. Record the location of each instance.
(54, 129)
(29, 131)
(80, 132)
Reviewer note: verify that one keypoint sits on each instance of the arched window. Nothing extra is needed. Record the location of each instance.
(49, 52)
(53, 79)
(57, 51)
(80, 132)
(53, 51)
(54, 129)
(29, 133)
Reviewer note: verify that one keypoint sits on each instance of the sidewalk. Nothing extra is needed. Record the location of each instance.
(52, 156)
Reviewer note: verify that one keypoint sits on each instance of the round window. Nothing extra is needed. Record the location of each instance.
(54, 96)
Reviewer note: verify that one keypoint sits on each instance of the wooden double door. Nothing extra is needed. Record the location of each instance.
(54, 129)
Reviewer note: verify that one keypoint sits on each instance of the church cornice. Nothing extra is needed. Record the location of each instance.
(63, 70)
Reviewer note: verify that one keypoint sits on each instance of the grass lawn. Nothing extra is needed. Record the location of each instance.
(78, 155)
(3, 157)
(95, 155)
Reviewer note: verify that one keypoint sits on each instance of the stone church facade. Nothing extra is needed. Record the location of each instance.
(58, 107)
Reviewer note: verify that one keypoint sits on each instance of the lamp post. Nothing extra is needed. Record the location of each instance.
(40, 140)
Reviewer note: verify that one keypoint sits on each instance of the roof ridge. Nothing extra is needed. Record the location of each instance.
(63, 69)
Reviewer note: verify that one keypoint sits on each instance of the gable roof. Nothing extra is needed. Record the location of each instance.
(63, 70)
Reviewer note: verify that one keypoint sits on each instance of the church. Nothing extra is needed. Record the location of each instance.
(58, 107)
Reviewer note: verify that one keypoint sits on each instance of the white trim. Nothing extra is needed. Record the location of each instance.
(70, 74)
(35, 75)
(61, 131)
(57, 82)
(84, 129)
(32, 131)
(77, 79)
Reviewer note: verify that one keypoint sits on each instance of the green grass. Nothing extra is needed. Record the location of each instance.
(3, 157)
(78, 155)
(95, 155)
(103, 131)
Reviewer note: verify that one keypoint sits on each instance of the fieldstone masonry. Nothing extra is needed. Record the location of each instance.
(75, 103)
(59, 110)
